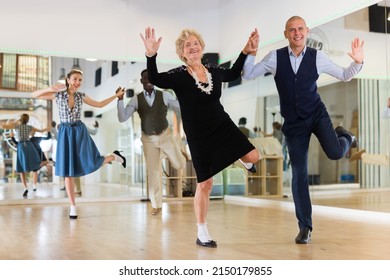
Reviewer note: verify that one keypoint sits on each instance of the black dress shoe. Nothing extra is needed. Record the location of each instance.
(210, 243)
(52, 162)
(341, 131)
(119, 155)
(304, 236)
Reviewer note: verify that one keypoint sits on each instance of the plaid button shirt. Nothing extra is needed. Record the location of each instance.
(66, 113)
(23, 132)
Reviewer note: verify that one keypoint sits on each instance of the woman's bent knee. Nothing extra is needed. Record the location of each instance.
(253, 156)
(206, 185)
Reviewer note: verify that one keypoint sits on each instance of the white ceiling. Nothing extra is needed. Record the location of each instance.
(109, 29)
(385, 3)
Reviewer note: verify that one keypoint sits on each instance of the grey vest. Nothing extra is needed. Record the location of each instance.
(153, 119)
(244, 130)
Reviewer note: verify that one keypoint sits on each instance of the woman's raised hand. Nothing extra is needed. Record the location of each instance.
(120, 92)
(252, 43)
(151, 44)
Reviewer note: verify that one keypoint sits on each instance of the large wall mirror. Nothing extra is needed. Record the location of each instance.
(357, 105)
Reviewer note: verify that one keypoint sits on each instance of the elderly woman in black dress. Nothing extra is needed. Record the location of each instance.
(214, 139)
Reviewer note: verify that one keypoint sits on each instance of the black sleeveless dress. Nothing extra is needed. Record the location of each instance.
(214, 140)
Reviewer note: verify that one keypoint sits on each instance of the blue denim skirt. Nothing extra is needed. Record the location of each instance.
(77, 154)
(28, 158)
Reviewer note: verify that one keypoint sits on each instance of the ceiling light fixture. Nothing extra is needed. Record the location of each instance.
(62, 77)
(76, 64)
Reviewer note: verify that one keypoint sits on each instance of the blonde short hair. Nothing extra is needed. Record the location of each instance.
(184, 35)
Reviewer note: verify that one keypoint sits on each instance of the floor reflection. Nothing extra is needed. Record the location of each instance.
(13, 192)
(348, 196)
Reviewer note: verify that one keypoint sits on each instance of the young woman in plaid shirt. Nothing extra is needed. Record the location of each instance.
(77, 154)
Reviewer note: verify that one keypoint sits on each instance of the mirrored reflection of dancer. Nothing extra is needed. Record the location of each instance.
(28, 157)
(36, 140)
(157, 137)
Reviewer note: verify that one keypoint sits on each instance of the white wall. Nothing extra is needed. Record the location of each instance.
(109, 29)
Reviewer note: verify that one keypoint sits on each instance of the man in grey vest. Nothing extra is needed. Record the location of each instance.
(241, 125)
(157, 137)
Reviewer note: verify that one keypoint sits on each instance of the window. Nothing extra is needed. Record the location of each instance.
(8, 73)
(98, 76)
(114, 68)
(24, 73)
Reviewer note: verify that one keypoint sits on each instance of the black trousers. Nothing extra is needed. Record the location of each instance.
(298, 133)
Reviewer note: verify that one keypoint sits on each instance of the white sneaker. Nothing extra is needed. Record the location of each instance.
(73, 212)
(34, 188)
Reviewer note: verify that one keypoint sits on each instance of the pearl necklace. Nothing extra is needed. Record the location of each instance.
(200, 85)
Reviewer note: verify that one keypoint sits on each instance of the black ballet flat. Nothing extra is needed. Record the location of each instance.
(124, 159)
(209, 244)
(253, 169)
